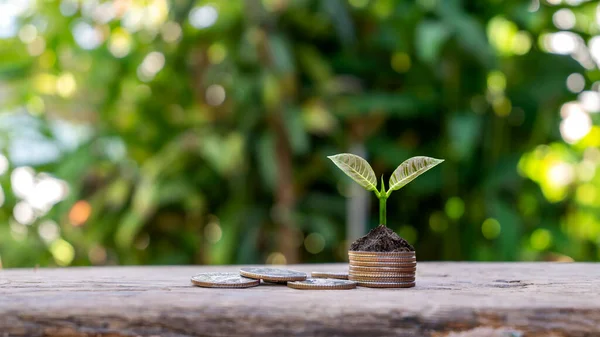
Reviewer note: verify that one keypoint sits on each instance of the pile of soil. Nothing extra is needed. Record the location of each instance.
(381, 239)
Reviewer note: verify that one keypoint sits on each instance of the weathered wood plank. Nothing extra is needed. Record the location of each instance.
(450, 299)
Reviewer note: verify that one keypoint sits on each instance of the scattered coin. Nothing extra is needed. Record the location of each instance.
(336, 275)
(272, 274)
(361, 269)
(381, 279)
(322, 284)
(223, 280)
(386, 284)
(394, 264)
(275, 282)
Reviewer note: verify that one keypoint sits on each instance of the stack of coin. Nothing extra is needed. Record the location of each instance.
(382, 269)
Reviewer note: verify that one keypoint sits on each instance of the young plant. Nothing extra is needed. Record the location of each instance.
(360, 171)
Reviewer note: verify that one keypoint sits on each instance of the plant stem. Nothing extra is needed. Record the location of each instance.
(382, 199)
(382, 211)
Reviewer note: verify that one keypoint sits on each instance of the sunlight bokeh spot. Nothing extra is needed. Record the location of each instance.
(382, 8)
(68, 7)
(217, 53)
(28, 33)
(63, 252)
(22, 181)
(540, 239)
(586, 170)
(564, 19)
(314, 243)
(590, 101)
(48, 230)
(496, 82)
(409, 233)
(80, 212)
(142, 242)
(150, 66)
(203, 17)
(561, 42)
(4, 164)
(212, 231)
(47, 192)
(560, 174)
(215, 95)
(87, 36)
(575, 83)
(23, 213)
(504, 36)
(438, 222)
(521, 43)
(120, 43)
(2, 196)
(401, 62)
(359, 3)
(66, 85)
(171, 32)
(97, 255)
(45, 83)
(575, 126)
(594, 48)
(276, 258)
(491, 228)
(502, 106)
(455, 208)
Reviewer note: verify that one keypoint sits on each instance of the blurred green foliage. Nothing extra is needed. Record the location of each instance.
(199, 130)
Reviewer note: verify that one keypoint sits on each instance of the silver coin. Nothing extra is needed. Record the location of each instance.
(322, 284)
(272, 274)
(223, 280)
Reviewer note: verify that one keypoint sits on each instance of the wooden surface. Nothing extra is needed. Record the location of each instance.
(450, 299)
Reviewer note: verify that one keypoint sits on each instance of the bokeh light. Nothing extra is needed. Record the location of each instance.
(203, 16)
(80, 212)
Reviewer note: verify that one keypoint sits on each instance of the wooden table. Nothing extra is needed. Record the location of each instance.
(450, 299)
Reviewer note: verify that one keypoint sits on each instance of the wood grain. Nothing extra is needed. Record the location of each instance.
(450, 299)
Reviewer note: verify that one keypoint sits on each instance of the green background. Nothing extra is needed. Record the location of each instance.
(196, 132)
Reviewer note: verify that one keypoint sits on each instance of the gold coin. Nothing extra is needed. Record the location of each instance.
(382, 259)
(322, 284)
(223, 280)
(394, 264)
(272, 274)
(390, 254)
(361, 269)
(335, 275)
(386, 284)
(381, 279)
(381, 275)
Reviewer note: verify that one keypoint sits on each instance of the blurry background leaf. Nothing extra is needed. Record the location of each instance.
(179, 132)
(429, 40)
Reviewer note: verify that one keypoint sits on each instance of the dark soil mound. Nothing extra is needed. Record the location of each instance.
(381, 239)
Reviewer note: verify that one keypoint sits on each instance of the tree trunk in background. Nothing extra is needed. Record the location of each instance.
(285, 197)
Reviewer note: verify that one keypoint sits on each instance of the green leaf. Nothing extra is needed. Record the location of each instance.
(409, 170)
(356, 168)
